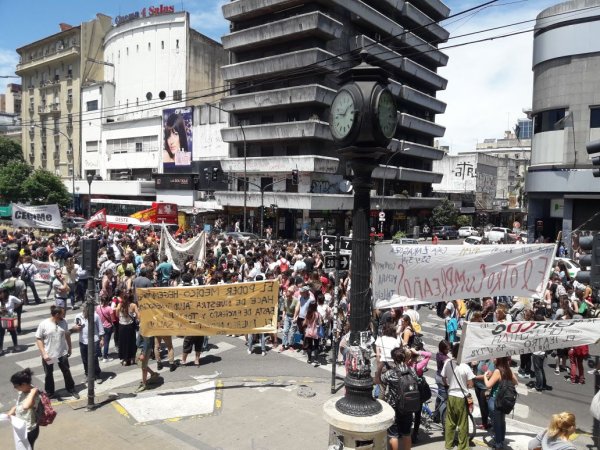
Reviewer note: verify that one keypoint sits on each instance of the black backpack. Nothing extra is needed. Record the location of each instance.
(26, 274)
(506, 396)
(408, 397)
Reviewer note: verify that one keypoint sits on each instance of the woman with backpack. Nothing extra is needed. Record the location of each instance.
(496, 380)
(27, 403)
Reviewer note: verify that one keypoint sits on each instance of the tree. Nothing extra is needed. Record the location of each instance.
(444, 214)
(463, 221)
(12, 182)
(45, 188)
(10, 150)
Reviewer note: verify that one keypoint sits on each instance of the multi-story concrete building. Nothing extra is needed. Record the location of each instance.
(285, 56)
(53, 70)
(152, 63)
(10, 101)
(562, 193)
(511, 147)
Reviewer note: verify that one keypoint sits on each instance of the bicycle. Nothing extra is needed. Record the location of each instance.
(436, 418)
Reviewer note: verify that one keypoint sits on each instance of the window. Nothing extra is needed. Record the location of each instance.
(91, 146)
(131, 145)
(138, 146)
(127, 51)
(70, 71)
(177, 94)
(547, 120)
(149, 46)
(266, 183)
(92, 105)
(177, 44)
(595, 117)
(137, 48)
(213, 116)
(162, 45)
(266, 150)
(292, 150)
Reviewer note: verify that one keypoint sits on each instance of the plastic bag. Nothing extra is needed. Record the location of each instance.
(595, 406)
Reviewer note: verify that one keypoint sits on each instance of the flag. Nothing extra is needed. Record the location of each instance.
(565, 122)
(97, 219)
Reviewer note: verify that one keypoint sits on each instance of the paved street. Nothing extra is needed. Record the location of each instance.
(205, 393)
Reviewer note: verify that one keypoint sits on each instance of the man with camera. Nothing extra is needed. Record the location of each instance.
(61, 289)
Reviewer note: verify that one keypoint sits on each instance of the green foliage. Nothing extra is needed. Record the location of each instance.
(463, 221)
(10, 150)
(399, 235)
(12, 178)
(45, 188)
(444, 214)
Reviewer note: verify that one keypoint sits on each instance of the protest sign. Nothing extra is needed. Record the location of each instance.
(178, 253)
(434, 273)
(238, 308)
(41, 216)
(45, 271)
(483, 340)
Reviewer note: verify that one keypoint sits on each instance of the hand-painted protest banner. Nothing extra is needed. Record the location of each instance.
(483, 340)
(45, 271)
(41, 216)
(238, 308)
(403, 274)
(178, 253)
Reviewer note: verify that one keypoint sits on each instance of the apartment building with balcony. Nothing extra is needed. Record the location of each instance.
(285, 58)
(53, 70)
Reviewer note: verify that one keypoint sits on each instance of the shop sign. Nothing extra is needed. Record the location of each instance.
(181, 182)
(145, 12)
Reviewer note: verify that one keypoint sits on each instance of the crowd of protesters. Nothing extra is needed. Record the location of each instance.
(309, 318)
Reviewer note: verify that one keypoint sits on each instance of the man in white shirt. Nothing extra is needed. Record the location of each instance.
(82, 321)
(459, 379)
(53, 340)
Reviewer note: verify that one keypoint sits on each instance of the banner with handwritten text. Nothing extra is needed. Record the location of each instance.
(404, 274)
(238, 308)
(482, 340)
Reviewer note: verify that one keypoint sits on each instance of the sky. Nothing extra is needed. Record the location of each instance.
(489, 83)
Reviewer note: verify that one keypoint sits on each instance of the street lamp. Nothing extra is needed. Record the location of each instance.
(56, 130)
(90, 179)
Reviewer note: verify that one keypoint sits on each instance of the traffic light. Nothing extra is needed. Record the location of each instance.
(593, 149)
(591, 259)
(206, 174)
(295, 177)
(215, 173)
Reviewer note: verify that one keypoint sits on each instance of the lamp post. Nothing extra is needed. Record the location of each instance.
(90, 179)
(56, 130)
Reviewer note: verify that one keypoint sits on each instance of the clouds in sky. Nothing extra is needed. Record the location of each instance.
(8, 64)
(207, 18)
(490, 83)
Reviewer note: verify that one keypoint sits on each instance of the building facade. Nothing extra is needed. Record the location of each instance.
(285, 56)
(10, 101)
(53, 71)
(562, 193)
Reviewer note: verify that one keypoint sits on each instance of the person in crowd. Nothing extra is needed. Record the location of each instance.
(538, 359)
(69, 273)
(127, 314)
(194, 343)
(440, 359)
(418, 362)
(311, 334)
(289, 308)
(405, 331)
(61, 289)
(492, 379)
(108, 318)
(28, 273)
(459, 379)
(145, 344)
(163, 271)
(27, 403)
(576, 357)
(399, 434)
(557, 435)
(53, 339)
(9, 305)
(82, 322)
(305, 299)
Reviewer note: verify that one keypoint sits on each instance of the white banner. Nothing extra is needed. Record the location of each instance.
(45, 271)
(41, 216)
(435, 273)
(178, 253)
(482, 340)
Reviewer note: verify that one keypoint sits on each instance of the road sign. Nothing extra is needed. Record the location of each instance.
(330, 262)
(382, 216)
(345, 244)
(328, 243)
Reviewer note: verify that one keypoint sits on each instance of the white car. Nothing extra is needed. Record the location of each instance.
(467, 231)
(472, 240)
(497, 234)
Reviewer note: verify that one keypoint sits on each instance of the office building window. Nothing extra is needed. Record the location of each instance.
(92, 105)
(162, 45)
(149, 46)
(548, 120)
(595, 117)
(177, 95)
(91, 146)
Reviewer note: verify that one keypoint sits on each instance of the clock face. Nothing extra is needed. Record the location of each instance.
(387, 115)
(342, 114)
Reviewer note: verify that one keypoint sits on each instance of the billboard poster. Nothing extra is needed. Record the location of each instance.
(177, 139)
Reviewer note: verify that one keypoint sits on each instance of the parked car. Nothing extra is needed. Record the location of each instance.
(445, 232)
(405, 241)
(73, 222)
(572, 266)
(473, 240)
(467, 231)
(497, 234)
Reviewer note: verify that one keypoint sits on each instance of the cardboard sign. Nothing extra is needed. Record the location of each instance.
(483, 340)
(238, 308)
(434, 273)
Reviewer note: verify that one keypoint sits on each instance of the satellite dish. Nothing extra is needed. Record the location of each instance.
(149, 96)
(345, 186)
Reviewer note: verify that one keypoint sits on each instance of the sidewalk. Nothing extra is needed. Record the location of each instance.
(209, 413)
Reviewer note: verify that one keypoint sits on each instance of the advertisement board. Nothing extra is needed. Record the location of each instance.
(177, 139)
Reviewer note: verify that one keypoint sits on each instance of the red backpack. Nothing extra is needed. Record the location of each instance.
(45, 413)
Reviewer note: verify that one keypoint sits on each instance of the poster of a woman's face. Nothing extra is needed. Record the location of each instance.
(177, 149)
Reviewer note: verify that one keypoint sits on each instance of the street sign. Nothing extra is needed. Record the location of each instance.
(330, 262)
(345, 244)
(328, 243)
(382, 216)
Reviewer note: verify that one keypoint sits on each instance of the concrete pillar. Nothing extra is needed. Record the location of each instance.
(359, 433)
(567, 225)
